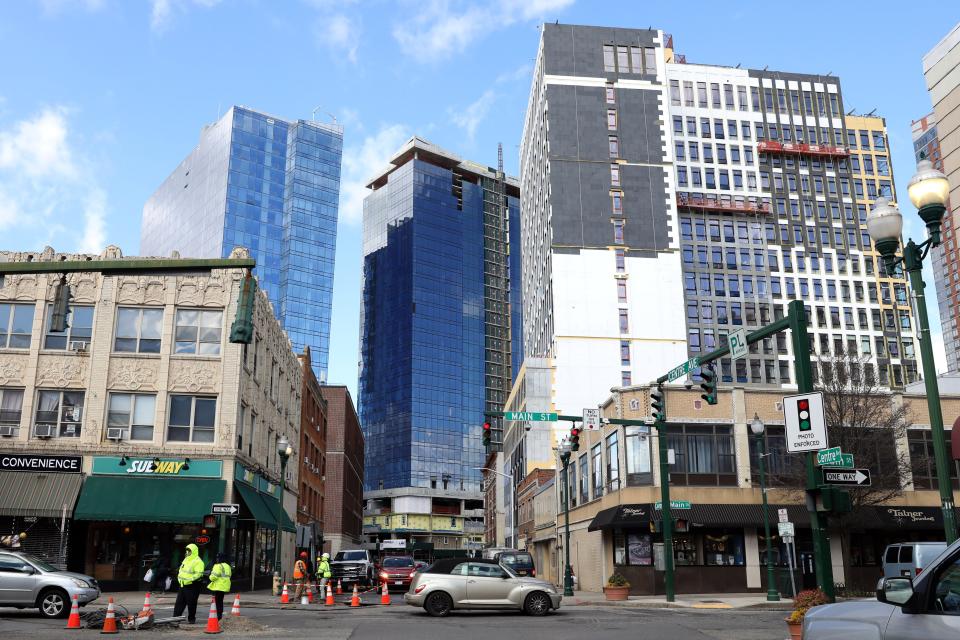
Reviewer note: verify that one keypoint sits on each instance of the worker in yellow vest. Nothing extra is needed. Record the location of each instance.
(220, 574)
(301, 574)
(323, 572)
(191, 570)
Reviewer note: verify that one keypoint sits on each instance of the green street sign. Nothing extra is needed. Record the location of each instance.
(683, 369)
(529, 416)
(827, 457)
(674, 504)
(846, 461)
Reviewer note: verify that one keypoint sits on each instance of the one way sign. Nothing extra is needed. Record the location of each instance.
(225, 508)
(849, 477)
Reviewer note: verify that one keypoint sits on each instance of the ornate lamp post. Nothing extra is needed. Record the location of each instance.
(928, 191)
(757, 427)
(565, 451)
(284, 450)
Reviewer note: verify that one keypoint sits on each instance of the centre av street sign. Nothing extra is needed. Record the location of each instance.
(529, 416)
(829, 457)
(806, 425)
(683, 369)
(847, 477)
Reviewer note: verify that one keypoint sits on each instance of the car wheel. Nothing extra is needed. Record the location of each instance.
(438, 604)
(53, 603)
(537, 604)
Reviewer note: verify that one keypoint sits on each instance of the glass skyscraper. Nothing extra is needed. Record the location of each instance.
(436, 320)
(270, 185)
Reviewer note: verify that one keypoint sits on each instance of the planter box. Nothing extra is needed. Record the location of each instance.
(796, 630)
(616, 593)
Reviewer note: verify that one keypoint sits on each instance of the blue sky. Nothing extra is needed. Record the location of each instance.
(101, 99)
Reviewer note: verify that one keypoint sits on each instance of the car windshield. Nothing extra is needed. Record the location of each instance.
(398, 561)
(37, 562)
(350, 555)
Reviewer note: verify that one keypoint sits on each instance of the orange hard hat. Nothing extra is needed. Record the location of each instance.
(303, 554)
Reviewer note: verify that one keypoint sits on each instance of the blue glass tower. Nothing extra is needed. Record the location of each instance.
(270, 185)
(436, 319)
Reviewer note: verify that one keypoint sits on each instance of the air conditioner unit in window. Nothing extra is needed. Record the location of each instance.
(115, 433)
(79, 346)
(6, 430)
(44, 430)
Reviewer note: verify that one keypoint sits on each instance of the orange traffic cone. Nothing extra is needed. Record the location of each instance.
(339, 588)
(110, 622)
(385, 596)
(235, 611)
(329, 600)
(284, 597)
(355, 600)
(73, 622)
(309, 593)
(146, 602)
(213, 624)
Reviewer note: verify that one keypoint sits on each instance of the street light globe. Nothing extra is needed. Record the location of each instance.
(283, 446)
(756, 425)
(928, 186)
(884, 222)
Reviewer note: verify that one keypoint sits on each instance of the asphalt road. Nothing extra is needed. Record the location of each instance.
(400, 622)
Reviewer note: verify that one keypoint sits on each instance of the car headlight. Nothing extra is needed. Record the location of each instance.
(83, 584)
(383, 575)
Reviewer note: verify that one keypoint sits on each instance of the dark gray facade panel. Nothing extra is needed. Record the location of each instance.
(573, 50)
(565, 200)
(639, 126)
(645, 208)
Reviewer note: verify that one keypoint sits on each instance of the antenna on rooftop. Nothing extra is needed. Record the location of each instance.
(872, 112)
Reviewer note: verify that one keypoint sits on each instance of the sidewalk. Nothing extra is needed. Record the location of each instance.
(684, 601)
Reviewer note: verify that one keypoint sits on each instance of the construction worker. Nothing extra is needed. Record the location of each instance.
(323, 572)
(220, 574)
(301, 574)
(191, 570)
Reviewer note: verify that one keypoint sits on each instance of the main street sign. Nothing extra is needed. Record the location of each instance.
(846, 477)
(683, 369)
(738, 344)
(225, 508)
(806, 424)
(591, 419)
(529, 416)
(674, 504)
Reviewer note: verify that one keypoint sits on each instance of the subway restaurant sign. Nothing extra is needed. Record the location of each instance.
(158, 467)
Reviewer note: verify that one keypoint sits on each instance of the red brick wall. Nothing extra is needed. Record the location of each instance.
(313, 447)
(345, 448)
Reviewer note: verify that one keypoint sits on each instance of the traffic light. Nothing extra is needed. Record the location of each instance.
(803, 411)
(61, 306)
(835, 500)
(709, 384)
(241, 331)
(574, 438)
(658, 404)
(487, 432)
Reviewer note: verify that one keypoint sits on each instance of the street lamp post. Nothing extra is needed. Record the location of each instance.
(928, 191)
(284, 450)
(565, 450)
(756, 426)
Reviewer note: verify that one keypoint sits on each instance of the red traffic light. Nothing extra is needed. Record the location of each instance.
(575, 431)
(486, 426)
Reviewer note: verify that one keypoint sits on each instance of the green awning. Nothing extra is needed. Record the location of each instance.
(279, 513)
(254, 501)
(38, 495)
(180, 500)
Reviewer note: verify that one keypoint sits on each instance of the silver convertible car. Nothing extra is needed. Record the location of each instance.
(461, 583)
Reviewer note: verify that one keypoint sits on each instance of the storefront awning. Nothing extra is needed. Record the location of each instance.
(38, 495)
(622, 516)
(627, 516)
(178, 500)
(254, 501)
(279, 514)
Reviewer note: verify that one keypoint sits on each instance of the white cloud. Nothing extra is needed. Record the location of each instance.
(442, 27)
(361, 161)
(470, 118)
(48, 189)
(161, 11)
(339, 33)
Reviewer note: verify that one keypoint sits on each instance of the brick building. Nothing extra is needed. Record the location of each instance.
(313, 462)
(342, 501)
(527, 491)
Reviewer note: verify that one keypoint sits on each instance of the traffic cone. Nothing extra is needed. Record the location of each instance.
(213, 624)
(285, 596)
(309, 593)
(385, 596)
(146, 602)
(235, 611)
(110, 622)
(73, 622)
(355, 600)
(329, 600)
(339, 588)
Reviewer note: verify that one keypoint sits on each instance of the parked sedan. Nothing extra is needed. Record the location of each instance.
(28, 581)
(460, 583)
(397, 571)
(906, 609)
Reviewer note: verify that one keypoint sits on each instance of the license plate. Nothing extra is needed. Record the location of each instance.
(398, 582)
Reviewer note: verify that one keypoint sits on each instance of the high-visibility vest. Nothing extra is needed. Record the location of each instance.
(323, 568)
(299, 569)
(190, 570)
(220, 577)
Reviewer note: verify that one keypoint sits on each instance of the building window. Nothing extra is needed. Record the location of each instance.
(625, 379)
(625, 353)
(638, 455)
(614, 146)
(623, 59)
(59, 414)
(675, 93)
(79, 329)
(611, 94)
(134, 413)
(621, 290)
(609, 64)
(704, 455)
(198, 331)
(617, 202)
(620, 256)
(624, 322)
(138, 330)
(612, 119)
(615, 175)
(613, 457)
(192, 418)
(618, 231)
(16, 325)
(631, 548)
(11, 406)
(584, 479)
(596, 455)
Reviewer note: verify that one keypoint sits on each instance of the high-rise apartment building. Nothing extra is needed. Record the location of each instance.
(436, 347)
(269, 184)
(667, 204)
(943, 83)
